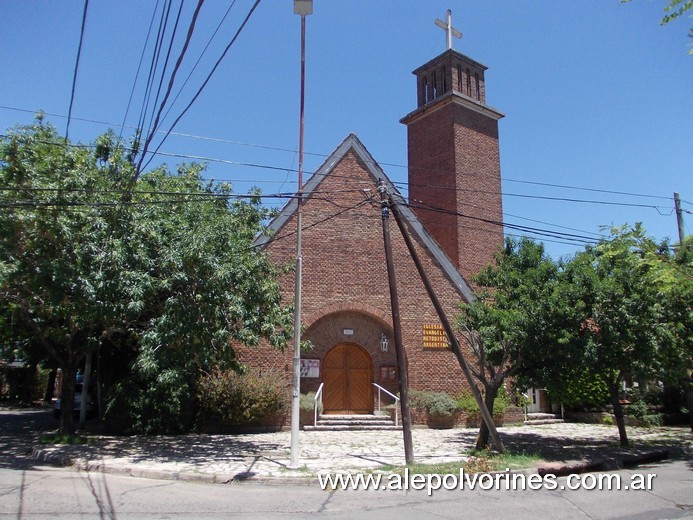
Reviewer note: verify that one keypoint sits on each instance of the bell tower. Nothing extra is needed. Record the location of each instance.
(454, 159)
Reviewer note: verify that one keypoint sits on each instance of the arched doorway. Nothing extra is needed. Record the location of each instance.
(347, 377)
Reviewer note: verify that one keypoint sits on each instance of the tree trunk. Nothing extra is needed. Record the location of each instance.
(85, 391)
(50, 387)
(618, 413)
(489, 399)
(67, 400)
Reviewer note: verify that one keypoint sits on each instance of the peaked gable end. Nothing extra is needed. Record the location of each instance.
(352, 145)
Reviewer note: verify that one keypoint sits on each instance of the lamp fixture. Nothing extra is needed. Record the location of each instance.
(384, 343)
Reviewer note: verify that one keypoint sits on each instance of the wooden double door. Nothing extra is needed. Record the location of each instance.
(347, 377)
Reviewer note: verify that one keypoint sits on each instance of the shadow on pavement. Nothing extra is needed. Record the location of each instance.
(19, 432)
(553, 447)
(190, 448)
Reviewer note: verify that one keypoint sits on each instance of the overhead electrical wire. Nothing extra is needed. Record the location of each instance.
(545, 232)
(269, 167)
(153, 66)
(74, 75)
(169, 88)
(164, 67)
(398, 184)
(204, 84)
(139, 67)
(199, 59)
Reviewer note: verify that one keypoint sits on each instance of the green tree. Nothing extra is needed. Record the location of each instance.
(674, 9)
(508, 325)
(615, 297)
(167, 269)
(672, 270)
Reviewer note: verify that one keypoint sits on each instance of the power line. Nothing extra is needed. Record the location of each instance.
(401, 185)
(459, 190)
(153, 66)
(166, 59)
(74, 75)
(473, 191)
(139, 67)
(516, 227)
(172, 78)
(204, 84)
(194, 67)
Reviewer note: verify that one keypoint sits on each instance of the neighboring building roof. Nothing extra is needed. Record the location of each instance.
(352, 143)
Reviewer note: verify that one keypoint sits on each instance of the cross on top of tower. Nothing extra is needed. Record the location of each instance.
(448, 28)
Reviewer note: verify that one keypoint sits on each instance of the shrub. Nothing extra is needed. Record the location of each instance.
(466, 402)
(640, 409)
(502, 401)
(307, 402)
(163, 404)
(232, 399)
(435, 403)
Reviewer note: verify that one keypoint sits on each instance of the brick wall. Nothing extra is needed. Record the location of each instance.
(345, 284)
(454, 165)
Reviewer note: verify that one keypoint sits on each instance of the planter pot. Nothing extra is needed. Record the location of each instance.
(441, 422)
(306, 418)
(474, 421)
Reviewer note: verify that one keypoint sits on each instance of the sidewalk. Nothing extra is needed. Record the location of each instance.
(564, 448)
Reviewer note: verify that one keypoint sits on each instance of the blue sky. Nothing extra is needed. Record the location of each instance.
(597, 95)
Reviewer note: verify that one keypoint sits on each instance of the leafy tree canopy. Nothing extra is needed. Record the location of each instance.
(507, 325)
(166, 268)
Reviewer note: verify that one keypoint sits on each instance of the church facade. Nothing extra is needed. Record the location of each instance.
(454, 216)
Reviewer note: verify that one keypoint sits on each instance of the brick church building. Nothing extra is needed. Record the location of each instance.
(454, 216)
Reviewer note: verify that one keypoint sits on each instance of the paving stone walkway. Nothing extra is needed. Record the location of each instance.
(265, 456)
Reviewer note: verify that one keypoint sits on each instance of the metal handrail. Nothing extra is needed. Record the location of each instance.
(391, 395)
(318, 395)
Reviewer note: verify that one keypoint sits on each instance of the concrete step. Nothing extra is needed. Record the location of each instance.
(353, 427)
(354, 417)
(536, 418)
(540, 415)
(352, 422)
(530, 422)
(346, 422)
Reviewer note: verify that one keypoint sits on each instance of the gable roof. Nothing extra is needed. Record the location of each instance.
(352, 143)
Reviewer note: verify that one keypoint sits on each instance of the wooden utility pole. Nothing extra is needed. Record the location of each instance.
(486, 416)
(679, 216)
(399, 347)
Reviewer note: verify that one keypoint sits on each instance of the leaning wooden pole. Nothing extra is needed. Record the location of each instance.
(396, 325)
(486, 416)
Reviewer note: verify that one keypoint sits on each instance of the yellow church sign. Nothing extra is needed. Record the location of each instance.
(434, 336)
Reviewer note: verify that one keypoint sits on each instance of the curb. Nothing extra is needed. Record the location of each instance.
(44, 455)
(610, 464)
(51, 458)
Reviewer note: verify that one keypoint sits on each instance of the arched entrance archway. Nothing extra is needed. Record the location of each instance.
(347, 377)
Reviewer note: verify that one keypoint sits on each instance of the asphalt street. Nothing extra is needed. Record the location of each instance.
(31, 489)
(46, 492)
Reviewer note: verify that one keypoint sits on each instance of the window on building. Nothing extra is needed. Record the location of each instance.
(388, 374)
(469, 83)
(477, 86)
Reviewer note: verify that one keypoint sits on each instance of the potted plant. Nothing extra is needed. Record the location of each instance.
(306, 405)
(441, 409)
